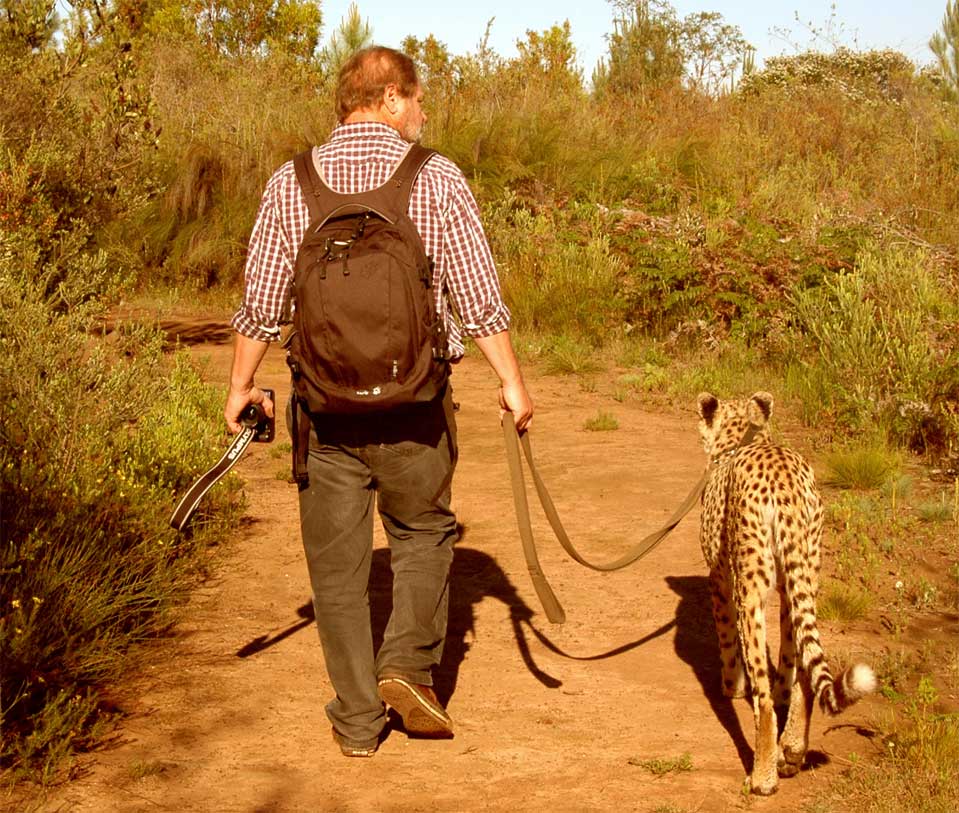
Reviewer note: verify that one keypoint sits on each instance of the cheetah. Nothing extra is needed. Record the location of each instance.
(762, 521)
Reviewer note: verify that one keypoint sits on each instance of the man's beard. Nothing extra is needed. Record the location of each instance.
(412, 134)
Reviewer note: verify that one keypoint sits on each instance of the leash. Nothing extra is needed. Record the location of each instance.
(257, 427)
(554, 611)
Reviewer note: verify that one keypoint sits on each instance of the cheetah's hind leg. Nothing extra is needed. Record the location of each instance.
(724, 615)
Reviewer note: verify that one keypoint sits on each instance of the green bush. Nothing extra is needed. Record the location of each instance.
(881, 349)
(557, 271)
(860, 468)
(100, 434)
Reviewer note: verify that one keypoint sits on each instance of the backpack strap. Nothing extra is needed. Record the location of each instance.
(391, 199)
(404, 176)
(311, 184)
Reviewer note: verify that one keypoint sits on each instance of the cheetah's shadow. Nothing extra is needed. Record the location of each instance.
(696, 643)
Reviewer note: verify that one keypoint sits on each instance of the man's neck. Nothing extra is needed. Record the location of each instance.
(363, 116)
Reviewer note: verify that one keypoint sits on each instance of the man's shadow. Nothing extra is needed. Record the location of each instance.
(473, 576)
(696, 643)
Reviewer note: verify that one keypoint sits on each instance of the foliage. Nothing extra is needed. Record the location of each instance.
(99, 436)
(945, 45)
(232, 28)
(352, 34)
(645, 52)
(100, 431)
(27, 25)
(883, 338)
(919, 765)
(854, 74)
(557, 271)
(839, 602)
(662, 766)
(860, 467)
(601, 422)
(651, 48)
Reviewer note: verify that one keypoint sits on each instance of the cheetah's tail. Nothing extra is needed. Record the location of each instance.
(853, 684)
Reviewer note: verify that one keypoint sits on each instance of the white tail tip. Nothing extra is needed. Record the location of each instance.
(862, 680)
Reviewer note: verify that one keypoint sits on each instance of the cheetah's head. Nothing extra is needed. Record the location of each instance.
(724, 424)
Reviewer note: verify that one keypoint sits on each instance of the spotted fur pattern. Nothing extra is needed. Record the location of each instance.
(762, 521)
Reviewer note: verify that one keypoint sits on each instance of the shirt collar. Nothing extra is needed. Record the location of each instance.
(364, 129)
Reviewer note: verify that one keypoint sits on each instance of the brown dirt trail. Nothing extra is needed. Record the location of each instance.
(229, 715)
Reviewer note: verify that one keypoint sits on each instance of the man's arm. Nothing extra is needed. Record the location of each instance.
(247, 355)
(513, 396)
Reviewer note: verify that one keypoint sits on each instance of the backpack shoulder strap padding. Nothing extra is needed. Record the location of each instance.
(391, 199)
(311, 184)
(404, 176)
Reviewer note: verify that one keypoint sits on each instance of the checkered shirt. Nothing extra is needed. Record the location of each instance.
(359, 157)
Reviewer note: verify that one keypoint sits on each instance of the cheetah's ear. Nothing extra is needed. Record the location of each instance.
(708, 404)
(760, 408)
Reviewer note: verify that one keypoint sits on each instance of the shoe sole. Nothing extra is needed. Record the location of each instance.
(420, 715)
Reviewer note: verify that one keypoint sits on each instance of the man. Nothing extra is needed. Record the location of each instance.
(406, 456)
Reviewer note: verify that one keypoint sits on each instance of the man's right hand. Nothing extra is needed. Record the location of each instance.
(238, 400)
(513, 396)
(247, 355)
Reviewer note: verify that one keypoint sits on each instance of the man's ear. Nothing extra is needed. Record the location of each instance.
(390, 95)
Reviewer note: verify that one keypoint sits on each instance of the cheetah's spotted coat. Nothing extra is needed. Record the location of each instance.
(762, 525)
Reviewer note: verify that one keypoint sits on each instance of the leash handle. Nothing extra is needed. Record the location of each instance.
(554, 610)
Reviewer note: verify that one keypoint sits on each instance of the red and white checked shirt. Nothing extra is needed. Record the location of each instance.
(359, 157)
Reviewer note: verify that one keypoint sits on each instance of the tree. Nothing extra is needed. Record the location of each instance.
(434, 64)
(352, 34)
(250, 27)
(27, 24)
(945, 45)
(713, 50)
(651, 47)
(551, 56)
(645, 49)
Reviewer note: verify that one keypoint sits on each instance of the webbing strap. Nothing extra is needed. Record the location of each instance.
(191, 499)
(256, 427)
(554, 610)
(390, 199)
(550, 604)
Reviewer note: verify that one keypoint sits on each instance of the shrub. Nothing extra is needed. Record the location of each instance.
(919, 765)
(841, 603)
(99, 435)
(860, 468)
(885, 351)
(557, 271)
(602, 422)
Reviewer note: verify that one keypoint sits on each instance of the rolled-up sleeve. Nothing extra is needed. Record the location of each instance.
(269, 271)
(470, 272)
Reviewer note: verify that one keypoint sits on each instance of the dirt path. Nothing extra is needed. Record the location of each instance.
(230, 715)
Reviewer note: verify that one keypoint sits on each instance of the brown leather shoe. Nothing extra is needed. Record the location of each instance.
(417, 704)
(352, 749)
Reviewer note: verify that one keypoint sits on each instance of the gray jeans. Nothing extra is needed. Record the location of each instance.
(406, 459)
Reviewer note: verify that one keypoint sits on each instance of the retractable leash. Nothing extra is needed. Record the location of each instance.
(258, 427)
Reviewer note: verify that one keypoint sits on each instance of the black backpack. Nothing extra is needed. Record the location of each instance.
(366, 336)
